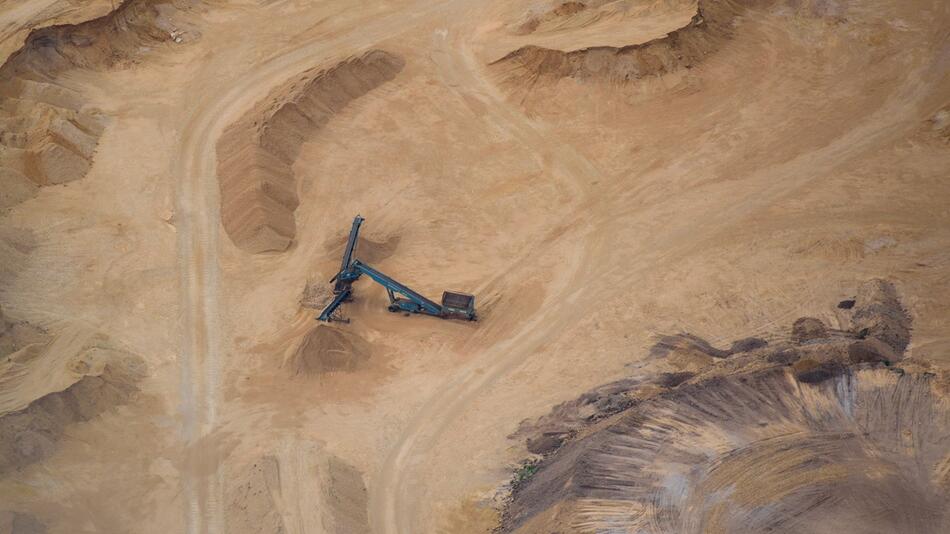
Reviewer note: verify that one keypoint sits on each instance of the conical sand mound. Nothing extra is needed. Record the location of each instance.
(327, 349)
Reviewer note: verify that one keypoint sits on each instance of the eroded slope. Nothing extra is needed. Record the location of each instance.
(715, 21)
(820, 433)
(257, 153)
(48, 383)
(48, 133)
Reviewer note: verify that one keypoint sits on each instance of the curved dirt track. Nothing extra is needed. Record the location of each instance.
(393, 506)
(587, 212)
(198, 207)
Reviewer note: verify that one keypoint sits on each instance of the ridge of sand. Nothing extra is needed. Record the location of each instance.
(683, 48)
(53, 382)
(256, 154)
(48, 134)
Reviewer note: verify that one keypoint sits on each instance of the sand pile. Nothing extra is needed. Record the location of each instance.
(47, 138)
(49, 382)
(714, 22)
(325, 349)
(17, 335)
(20, 523)
(47, 133)
(31, 435)
(251, 497)
(535, 21)
(299, 485)
(256, 154)
(758, 441)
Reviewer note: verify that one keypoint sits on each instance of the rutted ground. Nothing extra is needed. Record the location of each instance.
(48, 134)
(721, 188)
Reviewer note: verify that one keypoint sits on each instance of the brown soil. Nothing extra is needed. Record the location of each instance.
(257, 153)
(368, 249)
(298, 484)
(48, 135)
(714, 22)
(31, 435)
(20, 523)
(17, 335)
(752, 445)
(624, 200)
(326, 349)
(565, 9)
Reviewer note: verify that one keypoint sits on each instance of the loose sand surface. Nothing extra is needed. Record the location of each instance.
(627, 187)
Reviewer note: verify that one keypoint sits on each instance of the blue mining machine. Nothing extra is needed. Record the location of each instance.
(454, 305)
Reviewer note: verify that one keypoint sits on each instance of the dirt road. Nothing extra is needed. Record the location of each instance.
(393, 505)
(588, 213)
(394, 508)
(199, 221)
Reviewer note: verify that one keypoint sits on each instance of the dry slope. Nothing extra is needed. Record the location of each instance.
(48, 135)
(821, 433)
(256, 154)
(714, 22)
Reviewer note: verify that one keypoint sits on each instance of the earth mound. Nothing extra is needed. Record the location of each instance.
(326, 349)
(20, 523)
(715, 21)
(48, 382)
(369, 249)
(755, 442)
(256, 154)
(48, 135)
(298, 483)
(31, 435)
(16, 335)
(534, 21)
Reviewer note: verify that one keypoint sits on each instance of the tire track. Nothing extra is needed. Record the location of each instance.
(392, 508)
(198, 214)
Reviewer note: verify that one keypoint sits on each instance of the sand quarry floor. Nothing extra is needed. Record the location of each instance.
(723, 184)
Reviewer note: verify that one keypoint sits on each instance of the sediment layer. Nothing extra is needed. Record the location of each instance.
(827, 431)
(48, 133)
(256, 154)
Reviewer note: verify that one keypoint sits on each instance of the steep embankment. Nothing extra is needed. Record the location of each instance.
(48, 383)
(48, 134)
(714, 23)
(256, 154)
(820, 433)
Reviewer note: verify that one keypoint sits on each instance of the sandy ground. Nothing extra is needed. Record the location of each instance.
(802, 156)
(17, 18)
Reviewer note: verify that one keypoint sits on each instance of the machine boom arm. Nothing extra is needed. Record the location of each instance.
(454, 304)
(351, 243)
(395, 287)
(339, 299)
